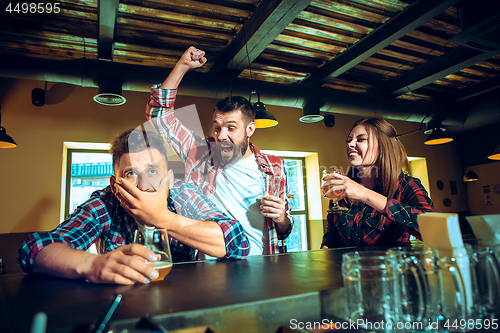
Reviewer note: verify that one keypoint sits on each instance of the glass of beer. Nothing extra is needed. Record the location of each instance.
(334, 195)
(270, 185)
(157, 241)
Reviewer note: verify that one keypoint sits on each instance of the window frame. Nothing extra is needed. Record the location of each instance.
(304, 211)
(69, 166)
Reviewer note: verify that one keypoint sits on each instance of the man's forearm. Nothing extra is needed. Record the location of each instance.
(61, 260)
(175, 77)
(204, 236)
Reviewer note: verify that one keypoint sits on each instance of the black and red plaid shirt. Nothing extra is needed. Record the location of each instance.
(362, 225)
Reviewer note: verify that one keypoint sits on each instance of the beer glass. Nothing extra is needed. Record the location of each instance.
(157, 241)
(376, 291)
(486, 271)
(428, 311)
(333, 196)
(270, 185)
(371, 288)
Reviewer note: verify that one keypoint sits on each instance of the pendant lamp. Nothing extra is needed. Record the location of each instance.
(5, 140)
(263, 118)
(437, 136)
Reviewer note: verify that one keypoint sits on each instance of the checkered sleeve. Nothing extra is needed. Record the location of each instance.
(160, 113)
(197, 206)
(79, 231)
(412, 201)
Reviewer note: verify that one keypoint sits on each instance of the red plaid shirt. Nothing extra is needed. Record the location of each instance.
(200, 167)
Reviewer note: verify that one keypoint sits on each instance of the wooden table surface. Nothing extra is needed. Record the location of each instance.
(274, 288)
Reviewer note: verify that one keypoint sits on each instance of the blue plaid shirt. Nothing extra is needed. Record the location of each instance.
(102, 220)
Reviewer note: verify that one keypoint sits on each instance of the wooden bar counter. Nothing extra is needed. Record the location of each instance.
(258, 294)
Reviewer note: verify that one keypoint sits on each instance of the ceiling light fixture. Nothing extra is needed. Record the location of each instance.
(263, 118)
(5, 140)
(495, 154)
(311, 114)
(110, 93)
(437, 136)
(470, 176)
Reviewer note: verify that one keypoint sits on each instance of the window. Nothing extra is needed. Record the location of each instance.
(88, 171)
(297, 241)
(87, 167)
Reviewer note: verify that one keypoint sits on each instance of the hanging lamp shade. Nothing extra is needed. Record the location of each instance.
(263, 118)
(470, 176)
(110, 93)
(5, 140)
(438, 137)
(495, 154)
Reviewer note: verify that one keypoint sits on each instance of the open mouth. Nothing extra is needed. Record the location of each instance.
(226, 148)
(353, 154)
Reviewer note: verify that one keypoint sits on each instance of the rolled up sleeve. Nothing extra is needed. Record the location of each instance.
(414, 200)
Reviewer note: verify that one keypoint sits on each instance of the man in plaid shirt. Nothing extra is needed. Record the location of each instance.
(141, 191)
(228, 168)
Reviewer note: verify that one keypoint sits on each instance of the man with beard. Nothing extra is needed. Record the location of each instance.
(228, 168)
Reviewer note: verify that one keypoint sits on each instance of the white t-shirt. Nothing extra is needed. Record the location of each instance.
(238, 194)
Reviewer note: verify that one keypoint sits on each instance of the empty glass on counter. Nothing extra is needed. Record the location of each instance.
(486, 271)
(373, 294)
(157, 241)
(441, 284)
(415, 289)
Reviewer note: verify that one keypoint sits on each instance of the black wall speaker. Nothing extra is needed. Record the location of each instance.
(329, 120)
(38, 97)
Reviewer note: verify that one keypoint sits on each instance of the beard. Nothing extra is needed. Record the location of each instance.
(229, 152)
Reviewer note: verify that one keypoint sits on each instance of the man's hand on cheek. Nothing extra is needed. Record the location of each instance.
(148, 208)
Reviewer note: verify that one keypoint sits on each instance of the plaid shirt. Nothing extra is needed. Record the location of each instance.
(362, 224)
(102, 220)
(200, 168)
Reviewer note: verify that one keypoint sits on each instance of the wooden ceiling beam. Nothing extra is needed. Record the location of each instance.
(433, 70)
(474, 90)
(108, 10)
(269, 19)
(406, 21)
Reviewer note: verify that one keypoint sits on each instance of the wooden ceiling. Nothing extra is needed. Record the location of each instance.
(436, 50)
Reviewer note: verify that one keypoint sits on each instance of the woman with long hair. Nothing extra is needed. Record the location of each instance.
(381, 201)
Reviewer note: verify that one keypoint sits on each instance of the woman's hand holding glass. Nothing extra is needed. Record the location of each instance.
(333, 188)
(345, 187)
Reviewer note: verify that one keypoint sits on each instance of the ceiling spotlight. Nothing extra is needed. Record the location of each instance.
(311, 114)
(263, 118)
(470, 176)
(437, 136)
(110, 93)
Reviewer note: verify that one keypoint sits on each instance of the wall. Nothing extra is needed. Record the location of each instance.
(477, 145)
(488, 176)
(30, 175)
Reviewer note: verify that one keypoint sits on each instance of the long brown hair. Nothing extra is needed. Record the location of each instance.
(392, 154)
